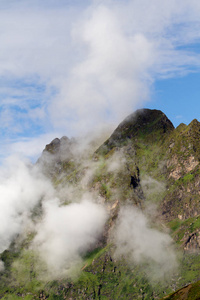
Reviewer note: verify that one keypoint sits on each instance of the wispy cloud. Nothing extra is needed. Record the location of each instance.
(89, 63)
(19, 196)
(140, 243)
(67, 232)
(63, 233)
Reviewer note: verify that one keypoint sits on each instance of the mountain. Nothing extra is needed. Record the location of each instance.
(147, 177)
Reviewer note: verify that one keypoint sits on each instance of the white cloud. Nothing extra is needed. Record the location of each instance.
(21, 189)
(67, 232)
(96, 60)
(106, 83)
(140, 243)
(31, 147)
(64, 233)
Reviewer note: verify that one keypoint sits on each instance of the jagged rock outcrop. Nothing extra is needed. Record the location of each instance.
(59, 149)
(183, 169)
(55, 154)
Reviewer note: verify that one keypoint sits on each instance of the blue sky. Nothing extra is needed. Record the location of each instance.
(70, 67)
(178, 98)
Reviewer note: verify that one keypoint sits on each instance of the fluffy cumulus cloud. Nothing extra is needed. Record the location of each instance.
(22, 187)
(63, 233)
(67, 232)
(70, 67)
(106, 83)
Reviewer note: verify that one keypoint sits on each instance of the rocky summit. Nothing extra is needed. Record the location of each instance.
(148, 125)
(146, 176)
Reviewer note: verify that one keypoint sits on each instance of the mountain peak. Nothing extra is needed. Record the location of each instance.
(146, 121)
(57, 144)
(146, 124)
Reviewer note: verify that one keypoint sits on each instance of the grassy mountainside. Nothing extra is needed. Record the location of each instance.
(146, 163)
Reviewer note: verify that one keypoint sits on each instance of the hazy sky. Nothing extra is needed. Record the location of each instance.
(69, 67)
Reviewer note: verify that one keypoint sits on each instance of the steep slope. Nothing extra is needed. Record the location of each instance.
(183, 169)
(164, 156)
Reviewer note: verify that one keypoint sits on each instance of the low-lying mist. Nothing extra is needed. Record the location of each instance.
(66, 233)
(22, 186)
(141, 244)
(68, 219)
